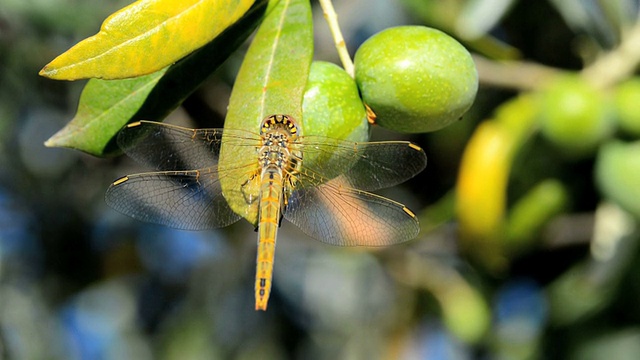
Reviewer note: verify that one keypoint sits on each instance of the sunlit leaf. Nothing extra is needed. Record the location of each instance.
(481, 190)
(271, 80)
(145, 37)
(107, 105)
(274, 73)
(104, 108)
(482, 180)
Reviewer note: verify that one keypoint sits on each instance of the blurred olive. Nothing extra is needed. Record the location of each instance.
(574, 115)
(618, 174)
(464, 311)
(534, 210)
(627, 104)
(415, 79)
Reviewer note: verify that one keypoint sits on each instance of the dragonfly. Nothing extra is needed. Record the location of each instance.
(320, 184)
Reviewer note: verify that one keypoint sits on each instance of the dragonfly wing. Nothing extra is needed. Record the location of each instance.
(188, 200)
(367, 166)
(339, 215)
(173, 148)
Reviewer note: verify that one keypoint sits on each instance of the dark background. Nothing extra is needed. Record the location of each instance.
(78, 280)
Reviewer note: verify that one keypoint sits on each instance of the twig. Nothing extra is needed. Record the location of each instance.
(332, 19)
(613, 67)
(516, 75)
(617, 64)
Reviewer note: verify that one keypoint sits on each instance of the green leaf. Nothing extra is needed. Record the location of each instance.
(274, 73)
(271, 80)
(145, 37)
(104, 108)
(107, 105)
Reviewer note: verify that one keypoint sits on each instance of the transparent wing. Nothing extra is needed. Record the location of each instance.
(322, 202)
(339, 215)
(188, 200)
(169, 147)
(367, 165)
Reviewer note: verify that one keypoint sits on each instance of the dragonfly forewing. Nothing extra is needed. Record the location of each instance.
(366, 166)
(173, 148)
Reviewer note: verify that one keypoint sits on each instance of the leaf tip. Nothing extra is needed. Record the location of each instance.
(44, 71)
(53, 141)
(48, 71)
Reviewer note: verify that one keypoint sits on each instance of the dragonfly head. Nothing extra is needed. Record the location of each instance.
(279, 122)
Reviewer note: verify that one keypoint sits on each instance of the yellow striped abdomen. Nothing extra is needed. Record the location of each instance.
(269, 218)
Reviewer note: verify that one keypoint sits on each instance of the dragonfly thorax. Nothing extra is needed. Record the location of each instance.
(279, 133)
(274, 156)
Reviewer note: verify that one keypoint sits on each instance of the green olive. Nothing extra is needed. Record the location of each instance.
(627, 103)
(618, 174)
(415, 78)
(332, 106)
(574, 115)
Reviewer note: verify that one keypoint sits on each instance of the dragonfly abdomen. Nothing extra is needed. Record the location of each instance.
(269, 219)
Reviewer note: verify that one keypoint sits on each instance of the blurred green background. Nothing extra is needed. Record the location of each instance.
(529, 210)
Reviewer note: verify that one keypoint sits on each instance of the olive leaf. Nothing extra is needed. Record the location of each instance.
(271, 80)
(274, 72)
(107, 105)
(145, 37)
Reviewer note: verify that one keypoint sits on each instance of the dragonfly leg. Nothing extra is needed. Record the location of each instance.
(251, 188)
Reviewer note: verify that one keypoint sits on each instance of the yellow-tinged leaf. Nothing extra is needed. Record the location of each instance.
(145, 37)
(107, 105)
(481, 190)
(271, 80)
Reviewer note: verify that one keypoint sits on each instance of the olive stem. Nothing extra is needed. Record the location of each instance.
(617, 64)
(611, 68)
(518, 75)
(332, 20)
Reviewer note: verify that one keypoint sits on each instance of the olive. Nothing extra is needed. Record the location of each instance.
(627, 105)
(332, 108)
(574, 115)
(618, 174)
(415, 79)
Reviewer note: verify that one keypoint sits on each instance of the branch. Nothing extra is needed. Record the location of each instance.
(332, 19)
(617, 64)
(517, 75)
